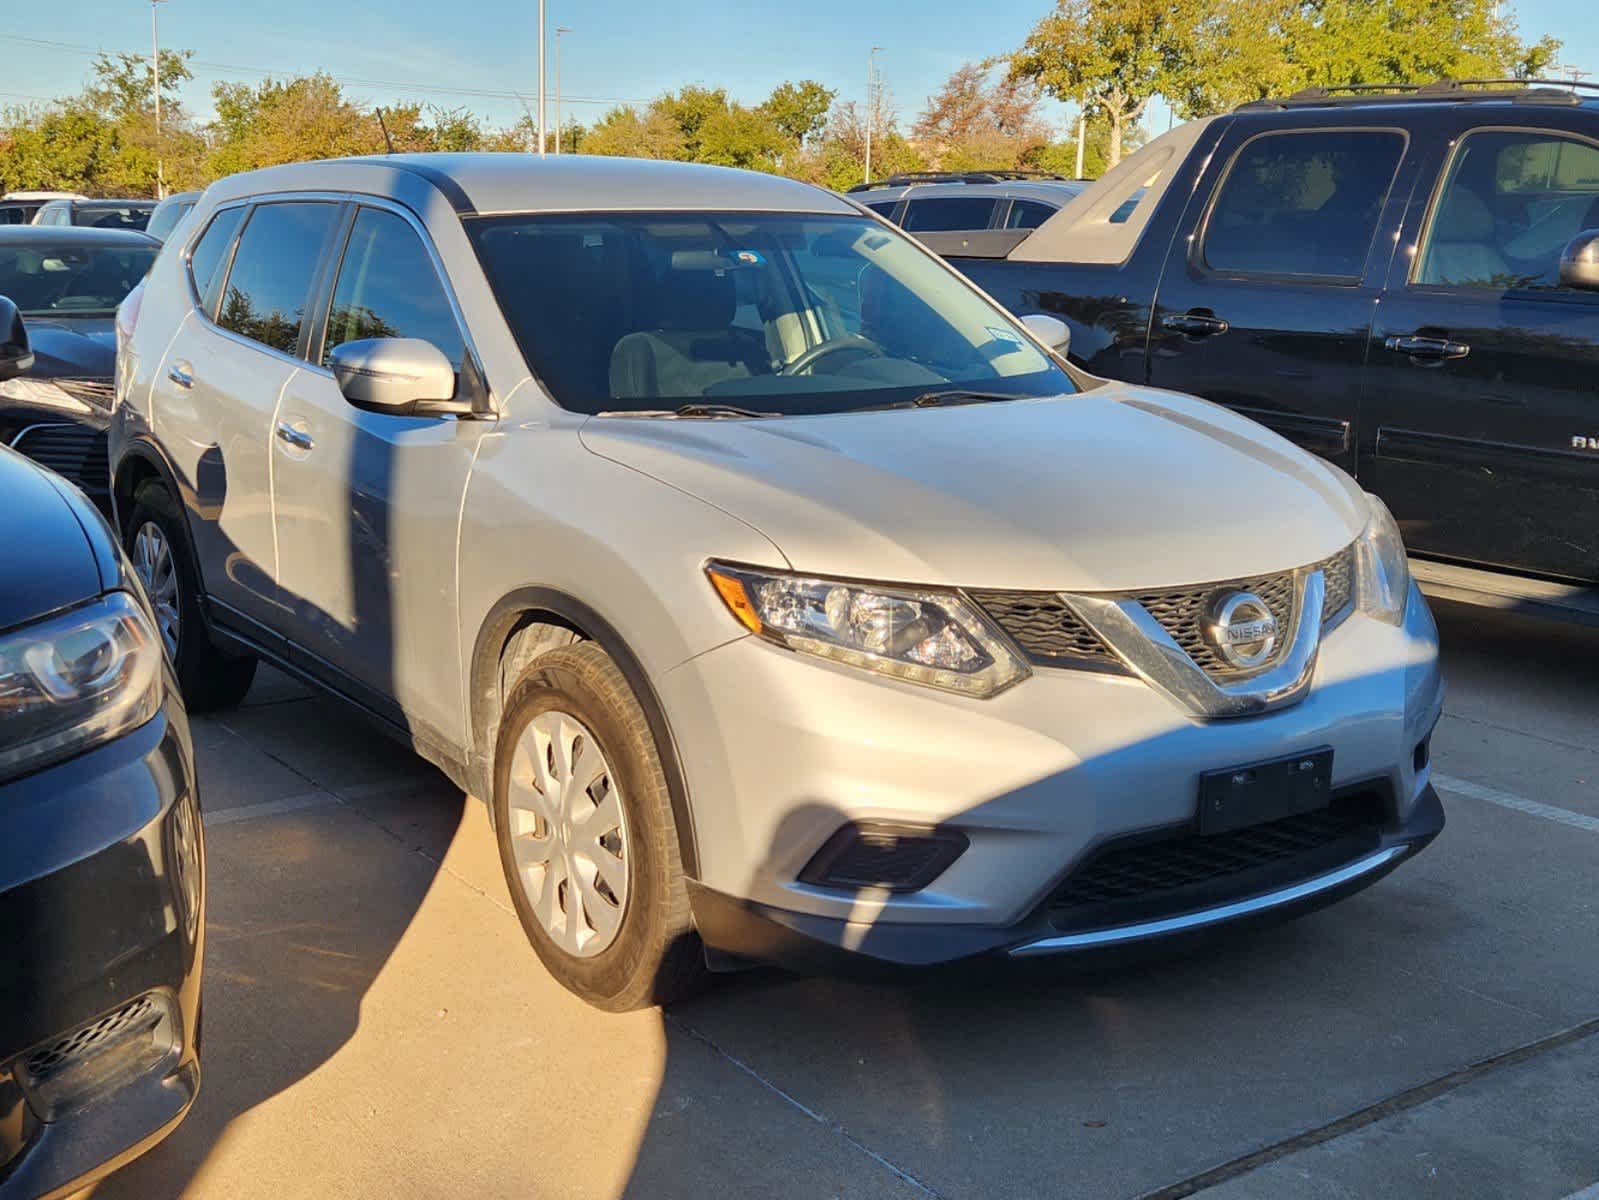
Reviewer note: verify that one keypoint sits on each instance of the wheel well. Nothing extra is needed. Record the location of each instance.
(506, 649)
(131, 473)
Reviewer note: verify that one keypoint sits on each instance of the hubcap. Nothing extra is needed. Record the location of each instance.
(568, 834)
(153, 564)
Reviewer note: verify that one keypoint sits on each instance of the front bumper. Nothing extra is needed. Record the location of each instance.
(101, 904)
(782, 751)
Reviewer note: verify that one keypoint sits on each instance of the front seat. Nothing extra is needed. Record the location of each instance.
(693, 346)
(1461, 251)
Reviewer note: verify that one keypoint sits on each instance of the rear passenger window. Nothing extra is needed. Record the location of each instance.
(270, 283)
(1302, 204)
(943, 214)
(884, 208)
(388, 288)
(1028, 214)
(205, 261)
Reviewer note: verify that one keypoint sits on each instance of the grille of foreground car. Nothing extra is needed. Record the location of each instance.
(77, 452)
(1052, 635)
(1136, 879)
(47, 1060)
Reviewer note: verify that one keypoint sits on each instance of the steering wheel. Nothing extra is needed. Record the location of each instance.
(842, 344)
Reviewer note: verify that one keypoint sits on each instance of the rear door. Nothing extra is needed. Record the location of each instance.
(1481, 417)
(217, 391)
(367, 503)
(1267, 297)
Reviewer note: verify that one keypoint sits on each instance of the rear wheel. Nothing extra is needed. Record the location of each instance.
(210, 678)
(586, 835)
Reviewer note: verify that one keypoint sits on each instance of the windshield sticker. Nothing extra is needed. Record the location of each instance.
(748, 258)
(1005, 335)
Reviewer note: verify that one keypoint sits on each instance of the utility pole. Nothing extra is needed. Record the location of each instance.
(155, 70)
(871, 105)
(559, 30)
(541, 79)
(1082, 136)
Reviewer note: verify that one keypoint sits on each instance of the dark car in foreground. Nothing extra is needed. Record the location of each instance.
(102, 872)
(1402, 280)
(67, 284)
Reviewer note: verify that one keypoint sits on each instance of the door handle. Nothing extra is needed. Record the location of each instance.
(1430, 349)
(181, 375)
(1194, 323)
(298, 438)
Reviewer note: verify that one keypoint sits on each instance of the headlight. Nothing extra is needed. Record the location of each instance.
(927, 637)
(41, 392)
(76, 680)
(1382, 566)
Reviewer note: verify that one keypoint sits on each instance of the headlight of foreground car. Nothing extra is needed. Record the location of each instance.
(41, 392)
(1383, 567)
(75, 680)
(928, 637)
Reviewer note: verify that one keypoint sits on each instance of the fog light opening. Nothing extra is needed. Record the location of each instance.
(884, 857)
(69, 1073)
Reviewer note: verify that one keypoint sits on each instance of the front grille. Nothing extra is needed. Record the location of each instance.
(1051, 634)
(1042, 625)
(98, 392)
(77, 452)
(47, 1061)
(1173, 873)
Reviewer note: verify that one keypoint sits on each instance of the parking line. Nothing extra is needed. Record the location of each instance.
(270, 808)
(1548, 812)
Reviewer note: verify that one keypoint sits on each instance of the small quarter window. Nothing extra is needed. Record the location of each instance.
(1303, 204)
(206, 259)
(1028, 214)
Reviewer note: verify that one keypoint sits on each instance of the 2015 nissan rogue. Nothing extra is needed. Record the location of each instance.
(785, 597)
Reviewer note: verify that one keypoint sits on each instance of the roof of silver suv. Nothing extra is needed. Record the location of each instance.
(489, 183)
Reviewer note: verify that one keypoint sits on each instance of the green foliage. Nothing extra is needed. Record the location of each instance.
(799, 110)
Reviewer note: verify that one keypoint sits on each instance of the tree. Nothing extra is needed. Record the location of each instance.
(629, 133)
(799, 110)
(972, 123)
(288, 121)
(123, 85)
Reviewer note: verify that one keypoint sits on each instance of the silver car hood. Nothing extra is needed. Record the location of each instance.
(1120, 488)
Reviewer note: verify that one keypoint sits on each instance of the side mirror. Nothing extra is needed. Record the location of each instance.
(16, 355)
(400, 376)
(1052, 331)
(1579, 262)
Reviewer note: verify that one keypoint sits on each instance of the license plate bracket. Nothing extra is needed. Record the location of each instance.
(1252, 794)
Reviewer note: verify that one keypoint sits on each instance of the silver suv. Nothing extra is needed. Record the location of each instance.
(784, 597)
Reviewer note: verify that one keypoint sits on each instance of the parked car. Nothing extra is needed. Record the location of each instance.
(102, 869)
(67, 284)
(19, 208)
(958, 210)
(1403, 281)
(165, 216)
(104, 214)
(781, 594)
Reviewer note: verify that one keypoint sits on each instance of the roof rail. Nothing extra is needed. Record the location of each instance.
(906, 178)
(1540, 91)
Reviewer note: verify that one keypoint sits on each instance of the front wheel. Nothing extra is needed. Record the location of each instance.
(587, 838)
(154, 540)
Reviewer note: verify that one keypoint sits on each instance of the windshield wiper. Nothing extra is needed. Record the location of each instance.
(945, 396)
(688, 410)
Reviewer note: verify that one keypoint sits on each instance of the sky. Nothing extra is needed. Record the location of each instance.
(618, 51)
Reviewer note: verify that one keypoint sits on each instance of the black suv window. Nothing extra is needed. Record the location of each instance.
(272, 270)
(942, 214)
(1510, 203)
(388, 288)
(1028, 214)
(205, 261)
(1302, 203)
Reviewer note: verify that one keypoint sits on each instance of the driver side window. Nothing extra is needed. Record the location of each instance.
(388, 288)
(1509, 204)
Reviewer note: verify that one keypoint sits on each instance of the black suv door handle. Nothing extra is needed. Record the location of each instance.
(1194, 323)
(1432, 349)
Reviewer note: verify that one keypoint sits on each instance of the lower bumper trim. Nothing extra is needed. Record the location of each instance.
(1188, 922)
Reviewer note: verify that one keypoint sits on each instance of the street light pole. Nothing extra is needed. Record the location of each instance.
(155, 70)
(541, 79)
(559, 30)
(871, 105)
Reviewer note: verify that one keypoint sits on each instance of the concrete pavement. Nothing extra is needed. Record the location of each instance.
(376, 1025)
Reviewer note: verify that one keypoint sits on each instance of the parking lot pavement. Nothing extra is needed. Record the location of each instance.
(375, 1023)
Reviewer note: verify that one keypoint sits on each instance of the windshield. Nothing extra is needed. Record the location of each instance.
(772, 313)
(71, 280)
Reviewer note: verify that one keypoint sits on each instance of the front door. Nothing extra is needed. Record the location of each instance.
(367, 504)
(1268, 294)
(1481, 415)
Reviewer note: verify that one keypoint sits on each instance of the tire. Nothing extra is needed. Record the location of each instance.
(641, 951)
(210, 678)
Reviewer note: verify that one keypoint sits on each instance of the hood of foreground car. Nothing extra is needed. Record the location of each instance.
(1117, 489)
(72, 347)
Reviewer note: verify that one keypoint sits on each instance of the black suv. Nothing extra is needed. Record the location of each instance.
(1403, 279)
